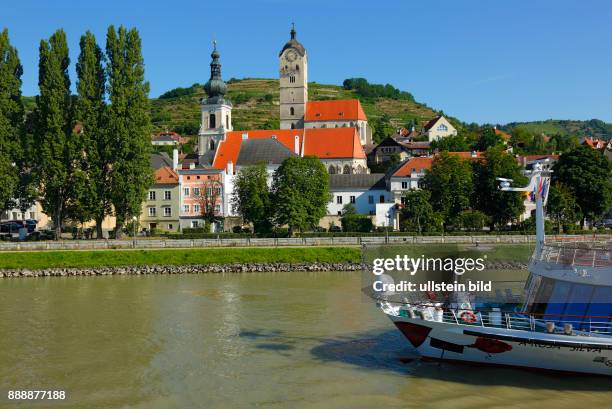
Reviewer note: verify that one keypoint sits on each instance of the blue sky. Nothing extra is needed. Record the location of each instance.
(481, 61)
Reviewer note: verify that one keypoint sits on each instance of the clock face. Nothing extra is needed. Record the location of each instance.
(291, 55)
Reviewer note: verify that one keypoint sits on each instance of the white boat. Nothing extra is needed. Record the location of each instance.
(563, 324)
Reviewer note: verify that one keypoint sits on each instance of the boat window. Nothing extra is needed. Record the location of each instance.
(578, 301)
(558, 298)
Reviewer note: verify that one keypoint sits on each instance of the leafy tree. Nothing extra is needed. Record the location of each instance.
(11, 120)
(382, 128)
(521, 138)
(454, 143)
(586, 172)
(251, 198)
(450, 184)
(129, 124)
(57, 145)
(562, 207)
(363, 88)
(417, 213)
(300, 192)
(502, 207)
(488, 138)
(94, 199)
(354, 222)
(473, 220)
(538, 144)
(208, 199)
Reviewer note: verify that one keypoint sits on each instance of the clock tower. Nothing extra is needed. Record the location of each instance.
(293, 83)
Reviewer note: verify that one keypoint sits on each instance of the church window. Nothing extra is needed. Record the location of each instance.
(227, 121)
(332, 170)
(212, 145)
(212, 121)
(291, 111)
(297, 67)
(292, 79)
(292, 125)
(346, 170)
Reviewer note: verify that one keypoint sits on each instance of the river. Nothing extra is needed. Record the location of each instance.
(259, 340)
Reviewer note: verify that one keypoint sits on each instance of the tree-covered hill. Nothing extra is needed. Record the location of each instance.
(256, 105)
(593, 128)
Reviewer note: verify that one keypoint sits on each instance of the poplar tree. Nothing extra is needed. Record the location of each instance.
(11, 120)
(129, 124)
(93, 201)
(56, 147)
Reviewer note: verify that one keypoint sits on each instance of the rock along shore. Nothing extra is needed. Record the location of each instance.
(211, 268)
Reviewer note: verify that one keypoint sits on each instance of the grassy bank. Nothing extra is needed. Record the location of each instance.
(98, 258)
(58, 259)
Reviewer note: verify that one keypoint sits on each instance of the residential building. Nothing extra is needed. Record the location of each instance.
(160, 210)
(167, 139)
(387, 150)
(438, 128)
(202, 193)
(366, 192)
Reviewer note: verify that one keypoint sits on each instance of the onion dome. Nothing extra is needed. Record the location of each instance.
(293, 43)
(215, 87)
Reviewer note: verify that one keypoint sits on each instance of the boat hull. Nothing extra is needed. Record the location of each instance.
(505, 347)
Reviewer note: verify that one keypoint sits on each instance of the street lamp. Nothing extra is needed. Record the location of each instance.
(134, 219)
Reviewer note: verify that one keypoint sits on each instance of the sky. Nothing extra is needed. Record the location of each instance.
(478, 60)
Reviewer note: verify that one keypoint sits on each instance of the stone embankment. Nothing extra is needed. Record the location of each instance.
(211, 268)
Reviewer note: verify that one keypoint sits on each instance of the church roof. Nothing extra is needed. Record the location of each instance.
(324, 143)
(269, 151)
(334, 110)
(293, 43)
(357, 181)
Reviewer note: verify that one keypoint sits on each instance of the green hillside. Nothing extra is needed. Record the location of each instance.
(256, 106)
(594, 128)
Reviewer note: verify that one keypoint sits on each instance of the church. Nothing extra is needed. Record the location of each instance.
(335, 131)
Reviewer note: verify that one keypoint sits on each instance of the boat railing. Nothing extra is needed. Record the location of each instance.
(543, 323)
(594, 255)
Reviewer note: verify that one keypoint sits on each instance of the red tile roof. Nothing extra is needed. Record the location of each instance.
(505, 136)
(418, 162)
(166, 176)
(336, 110)
(467, 155)
(324, 143)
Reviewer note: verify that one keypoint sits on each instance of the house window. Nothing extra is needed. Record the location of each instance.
(152, 212)
(196, 208)
(291, 111)
(196, 191)
(32, 215)
(167, 211)
(186, 191)
(194, 223)
(151, 194)
(442, 128)
(338, 199)
(212, 121)
(371, 199)
(217, 209)
(186, 208)
(339, 213)
(170, 226)
(167, 195)
(352, 199)
(404, 185)
(372, 212)
(382, 199)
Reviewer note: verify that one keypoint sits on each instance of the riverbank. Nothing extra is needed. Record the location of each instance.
(196, 261)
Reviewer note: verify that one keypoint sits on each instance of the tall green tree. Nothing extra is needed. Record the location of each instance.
(417, 213)
(502, 207)
(94, 200)
(129, 124)
(488, 138)
(251, 197)
(562, 207)
(11, 120)
(57, 148)
(456, 143)
(450, 183)
(300, 191)
(586, 172)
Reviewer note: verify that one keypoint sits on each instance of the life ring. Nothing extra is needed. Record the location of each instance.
(468, 316)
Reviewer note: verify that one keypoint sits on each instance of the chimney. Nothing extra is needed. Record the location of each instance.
(229, 168)
(296, 144)
(174, 159)
(245, 136)
(192, 165)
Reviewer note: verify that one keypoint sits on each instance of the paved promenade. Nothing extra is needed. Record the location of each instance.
(280, 242)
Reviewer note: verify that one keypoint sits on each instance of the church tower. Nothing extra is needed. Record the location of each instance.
(216, 112)
(293, 83)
